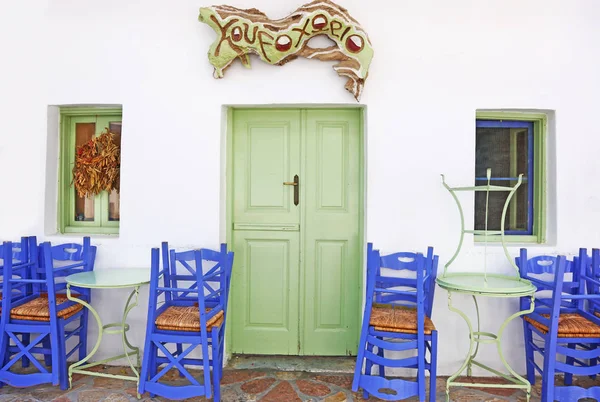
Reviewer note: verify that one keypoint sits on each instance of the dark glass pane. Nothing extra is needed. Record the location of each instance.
(516, 216)
(114, 202)
(492, 151)
(84, 206)
(505, 151)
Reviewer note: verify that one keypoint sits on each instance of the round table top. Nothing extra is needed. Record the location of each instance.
(478, 283)
(110, 278)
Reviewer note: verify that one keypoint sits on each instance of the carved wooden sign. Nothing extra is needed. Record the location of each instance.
(241, 32)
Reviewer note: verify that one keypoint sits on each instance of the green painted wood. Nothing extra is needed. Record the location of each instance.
(70, 117)
(264, 297)
(264, 294)
(332, 262)
(296, 281)
(497, 285)
(266, 153)
(540, 134)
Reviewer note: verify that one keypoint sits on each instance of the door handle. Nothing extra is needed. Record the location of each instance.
(296, 184)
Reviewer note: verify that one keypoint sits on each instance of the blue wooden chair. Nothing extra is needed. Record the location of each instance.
(592, 269)
(19, 258)
(194, 297)
(45, 314)
(17, 255)
(397, 319)
(560, 329)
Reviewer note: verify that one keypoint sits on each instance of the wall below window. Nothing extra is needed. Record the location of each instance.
(435, 63)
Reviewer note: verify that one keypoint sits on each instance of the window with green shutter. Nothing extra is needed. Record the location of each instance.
(94, 214)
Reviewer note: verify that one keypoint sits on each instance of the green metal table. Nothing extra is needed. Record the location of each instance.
(490, 285)
(487, 285)
(110, 279)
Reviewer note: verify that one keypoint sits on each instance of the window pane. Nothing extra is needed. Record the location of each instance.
(84, 209)
(84, 206)
(114, 199)
(516, 216)
(113, 206)
(115, 128)
(505, 150)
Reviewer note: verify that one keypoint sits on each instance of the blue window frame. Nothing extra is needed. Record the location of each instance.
(507, 147)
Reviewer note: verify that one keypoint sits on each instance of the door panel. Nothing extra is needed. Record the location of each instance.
(296, 275)
(331, 266)
(266, 152)
(265, 299)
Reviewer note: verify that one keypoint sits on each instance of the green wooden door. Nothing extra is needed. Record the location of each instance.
(296, 277)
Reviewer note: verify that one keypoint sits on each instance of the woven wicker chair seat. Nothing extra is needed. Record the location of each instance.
(570, 325)
(186, 318)
(38, 310)
(397, 319)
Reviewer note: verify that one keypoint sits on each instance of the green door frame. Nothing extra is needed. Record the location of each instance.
(229, 190)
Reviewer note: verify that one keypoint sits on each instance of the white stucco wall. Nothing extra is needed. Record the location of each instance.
(435, 63)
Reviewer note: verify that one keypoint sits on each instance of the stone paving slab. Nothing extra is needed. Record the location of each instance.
(253, 385)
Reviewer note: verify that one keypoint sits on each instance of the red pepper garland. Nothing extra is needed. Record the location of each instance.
(97, 165)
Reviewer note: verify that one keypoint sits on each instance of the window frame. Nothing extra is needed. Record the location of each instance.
(538, 188)
(69, 116)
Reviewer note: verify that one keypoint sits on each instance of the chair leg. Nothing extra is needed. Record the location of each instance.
(179, 349)
(146, 364)
(368, 368)
(569, 361)
(593, 362)
(380, 353)
(47, 356)
(360, 357)
(217, 368)
(26, 338)
(221, 352)
(421, 372)
(549, 368)
(63, 376)
(4, 344)
(369, 363)
(529, 353)
(433, 367)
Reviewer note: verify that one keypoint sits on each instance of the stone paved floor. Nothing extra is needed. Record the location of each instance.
(247, 385)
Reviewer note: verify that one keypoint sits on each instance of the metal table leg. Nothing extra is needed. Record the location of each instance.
(112, 328)
(477, 337)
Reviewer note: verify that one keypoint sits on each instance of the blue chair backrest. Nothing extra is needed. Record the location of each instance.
(17, 263)
(592, 278)
(192, 277)
(406, 262)
(547, 272)
(59, 261)
(18, 252)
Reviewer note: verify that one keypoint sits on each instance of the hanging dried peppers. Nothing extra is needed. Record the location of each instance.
(97, 165)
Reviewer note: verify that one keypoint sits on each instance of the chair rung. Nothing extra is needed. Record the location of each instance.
(538, 368)
(396, 346)
(174, 338)
(77, 265)
(537, 348)
(383, 361)
(183, 392)
(577, 370)
(582, 354)
(74, 331)
(190, 361)
(576, 393)
(74, 349)
(26, 380)
(373, 384)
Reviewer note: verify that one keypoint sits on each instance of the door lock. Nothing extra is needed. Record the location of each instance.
(294, 183)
